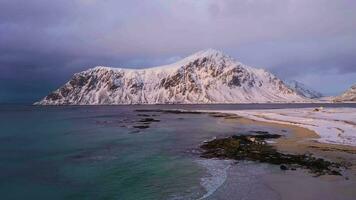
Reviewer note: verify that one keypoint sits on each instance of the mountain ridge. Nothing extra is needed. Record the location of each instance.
(303, 89)
(348, 96)
(207, 76)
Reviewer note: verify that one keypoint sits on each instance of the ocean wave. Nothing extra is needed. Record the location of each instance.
(216, 174)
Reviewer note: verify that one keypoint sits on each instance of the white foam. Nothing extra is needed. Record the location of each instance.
(217, 174)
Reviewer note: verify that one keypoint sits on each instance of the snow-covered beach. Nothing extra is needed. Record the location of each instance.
(333, 125)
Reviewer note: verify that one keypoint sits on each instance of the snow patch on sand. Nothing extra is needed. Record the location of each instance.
(333, 125)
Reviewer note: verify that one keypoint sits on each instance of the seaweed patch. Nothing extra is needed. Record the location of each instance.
(255, 148)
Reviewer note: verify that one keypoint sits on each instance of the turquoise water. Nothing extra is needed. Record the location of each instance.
(96, 153)
(89, 152)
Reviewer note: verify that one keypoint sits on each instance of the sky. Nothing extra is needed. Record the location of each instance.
(43, 42)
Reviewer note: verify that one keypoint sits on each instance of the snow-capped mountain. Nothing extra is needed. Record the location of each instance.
(204, 77)
(348, 95)
(302, 89)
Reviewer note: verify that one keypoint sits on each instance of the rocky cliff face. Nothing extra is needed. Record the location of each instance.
(205, 77)
(348, 95)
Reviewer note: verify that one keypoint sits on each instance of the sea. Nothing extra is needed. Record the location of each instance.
(128, 152)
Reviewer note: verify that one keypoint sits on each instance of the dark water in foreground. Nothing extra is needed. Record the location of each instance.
(93, 152)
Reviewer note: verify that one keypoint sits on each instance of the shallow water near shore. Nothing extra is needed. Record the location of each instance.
(111, 152)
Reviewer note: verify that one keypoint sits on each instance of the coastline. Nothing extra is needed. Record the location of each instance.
(301, 140)
(280, 184)
(331, 125)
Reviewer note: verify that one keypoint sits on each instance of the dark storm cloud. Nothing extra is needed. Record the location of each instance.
(44, 41)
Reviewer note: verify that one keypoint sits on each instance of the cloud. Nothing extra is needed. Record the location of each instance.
(56, 38)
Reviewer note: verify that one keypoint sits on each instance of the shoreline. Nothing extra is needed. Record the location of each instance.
(301, 140)
(279, 184)
(329, 126)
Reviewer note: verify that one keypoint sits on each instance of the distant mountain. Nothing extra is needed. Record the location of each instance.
(348, 95)
(205, 77)
(302, 89)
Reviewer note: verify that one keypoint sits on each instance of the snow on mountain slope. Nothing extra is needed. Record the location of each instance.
(348, 95)
(205, 77)
(302, 89)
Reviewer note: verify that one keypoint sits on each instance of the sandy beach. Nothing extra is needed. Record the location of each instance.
(331, 125)
(303, 140)
(248, 180)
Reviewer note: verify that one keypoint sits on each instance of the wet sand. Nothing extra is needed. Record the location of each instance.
(298, 185)
(249, 180)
